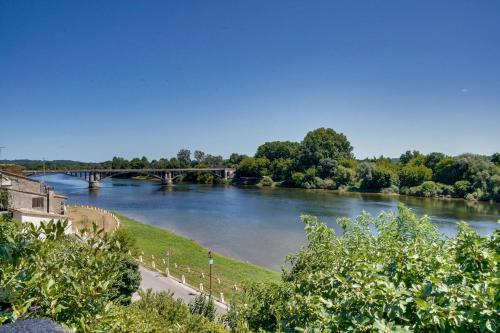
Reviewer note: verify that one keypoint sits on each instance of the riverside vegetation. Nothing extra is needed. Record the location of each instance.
(390, 273)
(324, 160)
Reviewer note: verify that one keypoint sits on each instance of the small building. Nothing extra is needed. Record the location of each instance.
(30, 200)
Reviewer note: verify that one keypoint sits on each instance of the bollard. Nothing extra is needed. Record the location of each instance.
(218, 281)
(189, 270)
(140, 258)
(202, 275)
(201, 287)
(153, 264)
(222, 297)
(167, 271)
(183, 279)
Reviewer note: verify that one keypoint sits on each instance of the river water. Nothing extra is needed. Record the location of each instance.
(261, 225)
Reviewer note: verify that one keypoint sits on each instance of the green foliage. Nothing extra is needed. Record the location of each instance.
(253, 167)
(408, 156)
(203, 305)
(324, 143)
(412, 174)
(266, 181)
(71, 279)
(281, 169)
(391, 273)
(377, 176)
(184, 157)
(154, 313)
(4, 199)
(278, 150)
(461, 188)
(495, 158)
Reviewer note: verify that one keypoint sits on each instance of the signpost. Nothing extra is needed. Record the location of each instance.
(210, 263)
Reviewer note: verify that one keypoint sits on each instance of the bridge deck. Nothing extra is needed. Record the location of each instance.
(127, 170)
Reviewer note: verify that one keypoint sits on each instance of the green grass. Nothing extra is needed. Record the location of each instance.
(155, 241)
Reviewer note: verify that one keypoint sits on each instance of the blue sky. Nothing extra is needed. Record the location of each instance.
(91, 79)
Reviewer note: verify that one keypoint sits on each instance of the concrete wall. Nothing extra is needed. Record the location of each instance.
(37, 220)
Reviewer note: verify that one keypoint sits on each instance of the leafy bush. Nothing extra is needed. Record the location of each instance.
(412, 175)
(266, 181)
(253, 167)
(461, 188)
(71, 279)
(204, 306)
(403, 277)
(154, 313)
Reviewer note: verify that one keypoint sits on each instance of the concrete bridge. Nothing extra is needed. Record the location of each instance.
(167, 176)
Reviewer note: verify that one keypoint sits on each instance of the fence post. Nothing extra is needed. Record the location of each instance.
(153, 264)
(201, 287)
(202, 275)
(167, 271)
(140, 258)
(183, 279)
(218, 281)
(189, 270)
(222, 297)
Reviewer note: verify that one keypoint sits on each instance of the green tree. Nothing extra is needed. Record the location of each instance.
(253, 167)
(184, 158)
(281, 169)
(432, 160)
(412, 175)
(324, 143)
(408, 156)
(278, 149)
(199, 156)
(235, 159)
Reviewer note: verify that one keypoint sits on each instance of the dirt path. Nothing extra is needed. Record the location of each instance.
(84, 217)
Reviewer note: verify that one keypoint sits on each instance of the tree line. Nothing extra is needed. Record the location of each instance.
(324, 160)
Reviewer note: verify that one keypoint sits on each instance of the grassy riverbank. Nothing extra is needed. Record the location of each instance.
(192, 259)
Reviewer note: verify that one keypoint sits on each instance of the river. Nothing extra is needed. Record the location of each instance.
(261, 225)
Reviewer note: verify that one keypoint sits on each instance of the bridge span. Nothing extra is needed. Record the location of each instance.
(167, 176)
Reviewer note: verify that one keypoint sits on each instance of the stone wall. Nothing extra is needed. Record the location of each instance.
(26, 193)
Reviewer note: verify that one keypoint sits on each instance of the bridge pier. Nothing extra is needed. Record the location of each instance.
(166, 178)
(94, 180)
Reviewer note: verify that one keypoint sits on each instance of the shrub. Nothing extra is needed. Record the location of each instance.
(461, 188)
(391, 273)
(154, 313)
(412, 175)
(266, 181)
(70, 279)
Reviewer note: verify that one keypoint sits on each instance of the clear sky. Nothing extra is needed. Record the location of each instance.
(88, 80)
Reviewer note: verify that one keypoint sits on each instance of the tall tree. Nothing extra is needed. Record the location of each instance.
(324, 143)
(184, 157)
